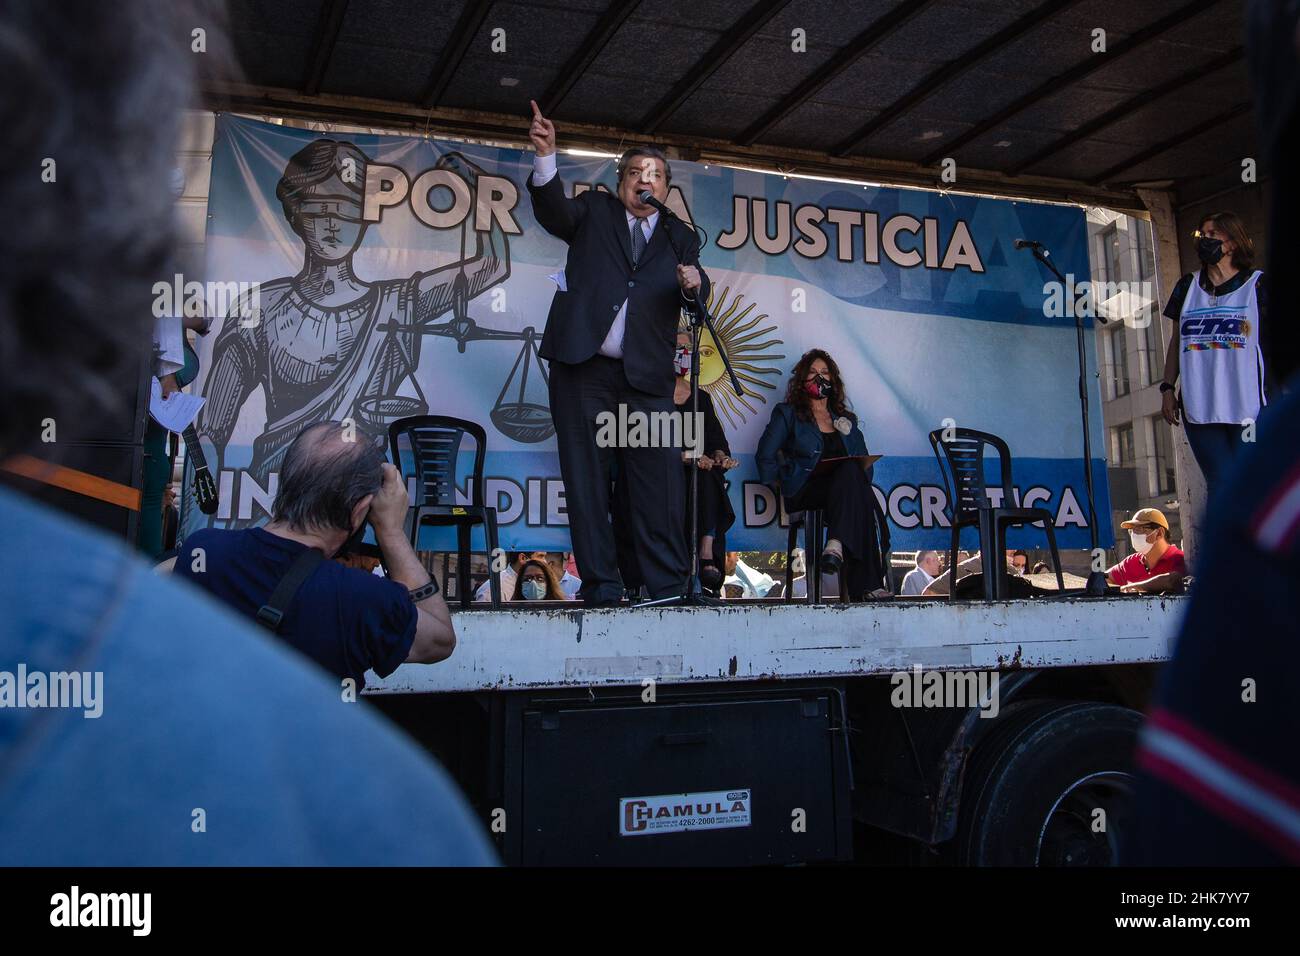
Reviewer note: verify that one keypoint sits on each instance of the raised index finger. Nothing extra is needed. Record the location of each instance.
(537, 112)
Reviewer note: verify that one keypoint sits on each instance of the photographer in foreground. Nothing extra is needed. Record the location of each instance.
(347, 621)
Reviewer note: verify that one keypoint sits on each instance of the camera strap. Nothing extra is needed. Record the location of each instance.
(271, 614)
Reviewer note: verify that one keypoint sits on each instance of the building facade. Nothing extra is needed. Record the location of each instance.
(1140, 444)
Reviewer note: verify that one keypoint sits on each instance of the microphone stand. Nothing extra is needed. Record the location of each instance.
(693, 595)
(1096, 586)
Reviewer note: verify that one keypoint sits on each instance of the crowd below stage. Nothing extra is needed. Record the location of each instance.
(761, 575)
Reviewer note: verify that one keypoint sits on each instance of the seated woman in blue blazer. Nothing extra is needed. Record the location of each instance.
(815, 423)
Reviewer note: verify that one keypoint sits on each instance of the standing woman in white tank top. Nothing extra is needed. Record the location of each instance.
(1218, 316)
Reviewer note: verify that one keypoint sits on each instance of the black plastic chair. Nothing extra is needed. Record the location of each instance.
(435, 445)
(968, 500)
(814, 529)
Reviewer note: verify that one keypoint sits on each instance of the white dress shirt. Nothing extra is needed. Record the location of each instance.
(544, 169)
(754, 584)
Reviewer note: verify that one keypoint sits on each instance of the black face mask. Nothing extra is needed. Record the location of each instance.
(1210, 250)
(820, 387)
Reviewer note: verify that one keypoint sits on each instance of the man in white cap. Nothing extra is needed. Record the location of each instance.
(1156, 564)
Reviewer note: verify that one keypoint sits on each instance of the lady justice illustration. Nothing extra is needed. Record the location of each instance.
(326, 344)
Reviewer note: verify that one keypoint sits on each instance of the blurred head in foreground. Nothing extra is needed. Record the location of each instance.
(85, 189)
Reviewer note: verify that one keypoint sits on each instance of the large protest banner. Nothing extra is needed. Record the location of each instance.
(385, 276)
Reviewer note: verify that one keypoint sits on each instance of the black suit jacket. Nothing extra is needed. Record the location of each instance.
(599, 275)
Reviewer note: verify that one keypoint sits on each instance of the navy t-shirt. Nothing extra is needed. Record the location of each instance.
(344, 619)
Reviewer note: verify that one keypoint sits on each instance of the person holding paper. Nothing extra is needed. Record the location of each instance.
(815, 456)
(159, 458)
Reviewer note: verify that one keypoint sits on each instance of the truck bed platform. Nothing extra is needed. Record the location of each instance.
(555, 647)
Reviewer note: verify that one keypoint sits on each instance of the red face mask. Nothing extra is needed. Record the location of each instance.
(819, 387)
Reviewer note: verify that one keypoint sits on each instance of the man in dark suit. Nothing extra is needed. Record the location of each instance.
(609, 339)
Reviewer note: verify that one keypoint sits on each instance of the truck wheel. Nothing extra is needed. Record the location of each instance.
(1034, 787)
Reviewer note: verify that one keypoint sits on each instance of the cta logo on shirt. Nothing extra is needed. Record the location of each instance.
(1214, 328)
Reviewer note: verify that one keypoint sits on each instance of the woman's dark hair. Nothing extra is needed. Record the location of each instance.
(801, 401)
(1243, 256)
(553, 591)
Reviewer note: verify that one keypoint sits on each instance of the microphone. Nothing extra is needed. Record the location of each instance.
(648, 199)
(1043, 255)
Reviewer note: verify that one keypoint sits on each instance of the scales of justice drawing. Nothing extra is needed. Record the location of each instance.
(326, 344)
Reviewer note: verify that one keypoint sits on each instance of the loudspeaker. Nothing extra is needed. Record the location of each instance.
(700, 777)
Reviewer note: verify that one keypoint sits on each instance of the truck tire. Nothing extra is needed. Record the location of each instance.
(1034, 785)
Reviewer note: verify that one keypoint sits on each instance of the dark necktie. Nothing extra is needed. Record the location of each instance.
(638, 239)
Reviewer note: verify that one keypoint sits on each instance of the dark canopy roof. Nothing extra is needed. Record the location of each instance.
(1010, 89)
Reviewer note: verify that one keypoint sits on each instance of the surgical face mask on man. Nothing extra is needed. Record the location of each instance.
(682, 360)
(1140, 543)
(534, 590)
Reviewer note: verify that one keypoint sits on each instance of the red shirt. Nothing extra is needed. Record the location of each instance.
(1133, 569)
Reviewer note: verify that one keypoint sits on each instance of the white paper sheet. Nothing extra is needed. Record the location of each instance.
(177, 412)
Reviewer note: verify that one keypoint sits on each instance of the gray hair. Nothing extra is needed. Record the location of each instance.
(325, 472)
(97, 88)
(654, 152)
(922, 555)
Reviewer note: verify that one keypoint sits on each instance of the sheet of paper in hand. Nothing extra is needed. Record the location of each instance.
(176, 412)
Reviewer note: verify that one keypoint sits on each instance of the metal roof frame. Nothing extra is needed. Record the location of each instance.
(1059, 154)
(513, 131)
